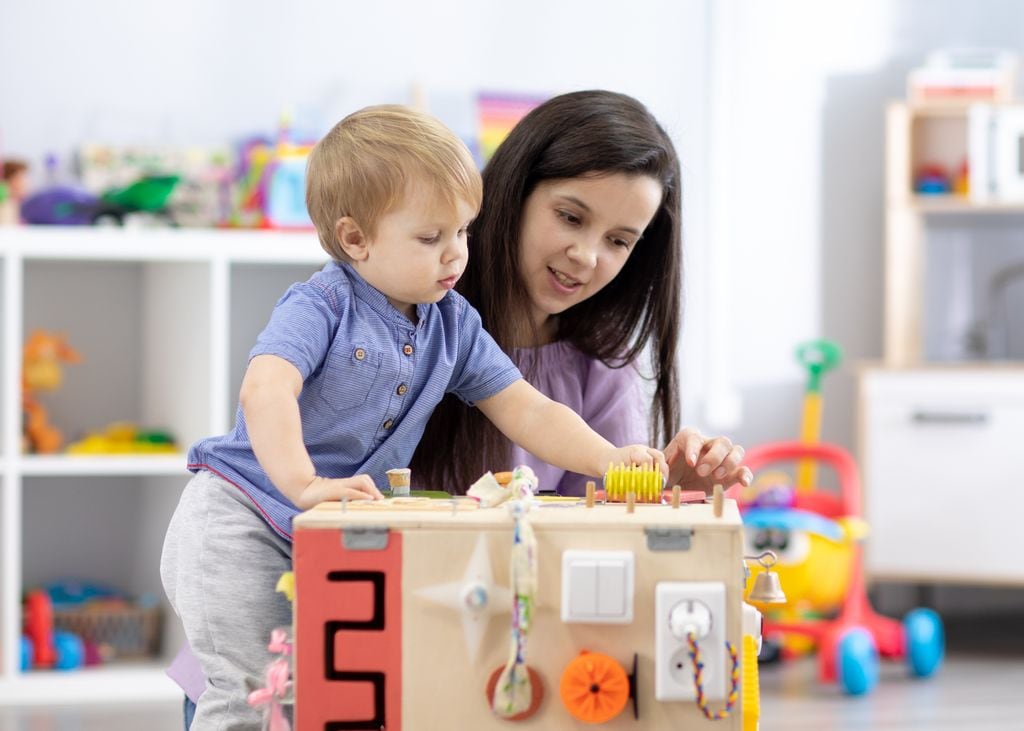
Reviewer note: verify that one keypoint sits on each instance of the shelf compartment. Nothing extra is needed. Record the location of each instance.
(143, 331)
(83, 525)
(255, 289)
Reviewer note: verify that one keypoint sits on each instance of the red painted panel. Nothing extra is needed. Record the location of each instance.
(348, 633)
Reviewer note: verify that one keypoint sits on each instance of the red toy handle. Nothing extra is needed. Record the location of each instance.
(836, 457)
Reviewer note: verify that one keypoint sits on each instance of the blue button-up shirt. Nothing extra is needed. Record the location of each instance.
(371, 379)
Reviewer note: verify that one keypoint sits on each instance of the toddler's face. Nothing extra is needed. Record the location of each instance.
(419, 250)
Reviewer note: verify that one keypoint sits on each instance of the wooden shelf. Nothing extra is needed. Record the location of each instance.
(962, 204)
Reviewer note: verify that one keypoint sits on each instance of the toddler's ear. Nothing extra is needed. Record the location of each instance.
(351, 238)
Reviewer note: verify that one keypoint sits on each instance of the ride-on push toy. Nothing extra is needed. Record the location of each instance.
(817, 539)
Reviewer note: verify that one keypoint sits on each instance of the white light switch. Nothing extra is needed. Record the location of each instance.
(611, 588)
(597, 587)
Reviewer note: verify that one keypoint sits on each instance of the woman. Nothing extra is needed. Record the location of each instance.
(575, 268)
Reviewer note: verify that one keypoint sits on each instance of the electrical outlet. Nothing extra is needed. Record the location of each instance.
(681, 607)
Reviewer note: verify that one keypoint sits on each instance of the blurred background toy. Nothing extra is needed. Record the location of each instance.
(817, 540)
(818, 357)
(270, 182)
(44, 356)
(13, 190)
(43, 645)
(124, 438)
(70, 206)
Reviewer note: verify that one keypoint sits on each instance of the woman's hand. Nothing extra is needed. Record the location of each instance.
(697, 462)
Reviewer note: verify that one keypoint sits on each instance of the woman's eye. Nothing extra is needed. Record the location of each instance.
(430, 239)
(570, 218)
(621, 242)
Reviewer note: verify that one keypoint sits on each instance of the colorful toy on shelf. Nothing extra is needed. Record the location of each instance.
(14, 189)
(43, 358)
(124, 438)
(271, 182)
(49, 648)
(817, 540)
(64, 205)
(932, 179)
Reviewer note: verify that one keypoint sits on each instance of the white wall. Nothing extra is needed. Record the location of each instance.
(193, 72)
(805, 87)
(797, 109)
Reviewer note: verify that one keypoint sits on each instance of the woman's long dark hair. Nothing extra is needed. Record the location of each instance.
(584, 133)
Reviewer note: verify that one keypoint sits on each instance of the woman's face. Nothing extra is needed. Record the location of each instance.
(577, 234)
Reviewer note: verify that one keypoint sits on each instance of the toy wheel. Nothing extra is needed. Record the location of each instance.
(925, 641)
(857, 661)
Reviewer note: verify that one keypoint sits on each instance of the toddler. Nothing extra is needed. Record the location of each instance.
(340, 385)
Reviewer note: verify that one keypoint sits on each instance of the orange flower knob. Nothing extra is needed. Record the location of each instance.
(594, 687)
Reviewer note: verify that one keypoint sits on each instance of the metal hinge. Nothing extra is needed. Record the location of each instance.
(364, 538)
(668, 539)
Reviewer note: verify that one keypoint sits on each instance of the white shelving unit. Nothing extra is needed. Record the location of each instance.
(940, 426)
(164, 320)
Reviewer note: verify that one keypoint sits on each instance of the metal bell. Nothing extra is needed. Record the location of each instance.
(767, 589)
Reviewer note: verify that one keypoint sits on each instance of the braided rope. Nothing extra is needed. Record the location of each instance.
(698, 679)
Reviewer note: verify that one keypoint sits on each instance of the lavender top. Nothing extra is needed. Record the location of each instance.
(610, 400)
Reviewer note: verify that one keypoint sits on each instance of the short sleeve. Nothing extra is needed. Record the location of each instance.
(301, 327)
(482, 369)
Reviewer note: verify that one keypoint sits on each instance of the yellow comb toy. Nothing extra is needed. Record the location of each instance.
(644, 481)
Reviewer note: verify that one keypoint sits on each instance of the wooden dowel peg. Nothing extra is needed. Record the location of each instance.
(591, 488)
(717, 500)
(676, 495)
(630, 501)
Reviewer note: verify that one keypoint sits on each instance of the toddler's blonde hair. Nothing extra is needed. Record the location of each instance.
(364, 165)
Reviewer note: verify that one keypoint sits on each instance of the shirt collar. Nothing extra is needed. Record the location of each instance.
(378, 301)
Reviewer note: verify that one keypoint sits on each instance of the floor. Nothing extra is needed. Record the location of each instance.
(979, 688)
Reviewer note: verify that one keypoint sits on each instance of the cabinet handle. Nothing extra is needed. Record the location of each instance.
(958, 418)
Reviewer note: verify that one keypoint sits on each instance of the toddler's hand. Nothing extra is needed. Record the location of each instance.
(359, 487)
(637, 454)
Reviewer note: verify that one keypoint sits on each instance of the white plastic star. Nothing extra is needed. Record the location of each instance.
(475, 596)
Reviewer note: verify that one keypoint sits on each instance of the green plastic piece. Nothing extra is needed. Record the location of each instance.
(818, 357)
(148, 194)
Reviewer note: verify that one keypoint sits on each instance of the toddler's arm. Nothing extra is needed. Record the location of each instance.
(269, 399)
(558, 435)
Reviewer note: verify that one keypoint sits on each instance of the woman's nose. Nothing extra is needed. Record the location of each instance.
(584, 252)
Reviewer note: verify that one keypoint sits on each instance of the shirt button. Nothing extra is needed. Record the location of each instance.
(360, 353)
(402, 389)
(407, 349)
(389, 423)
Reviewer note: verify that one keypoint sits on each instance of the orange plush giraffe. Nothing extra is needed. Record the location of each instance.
(41, 371)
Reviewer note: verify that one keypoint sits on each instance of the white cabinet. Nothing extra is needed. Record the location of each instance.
(943, 463)
(164, 320)
(942, 419)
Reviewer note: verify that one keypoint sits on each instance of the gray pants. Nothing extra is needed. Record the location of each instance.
(219, 567)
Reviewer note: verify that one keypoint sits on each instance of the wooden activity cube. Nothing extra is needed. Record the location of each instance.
(403, 613)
